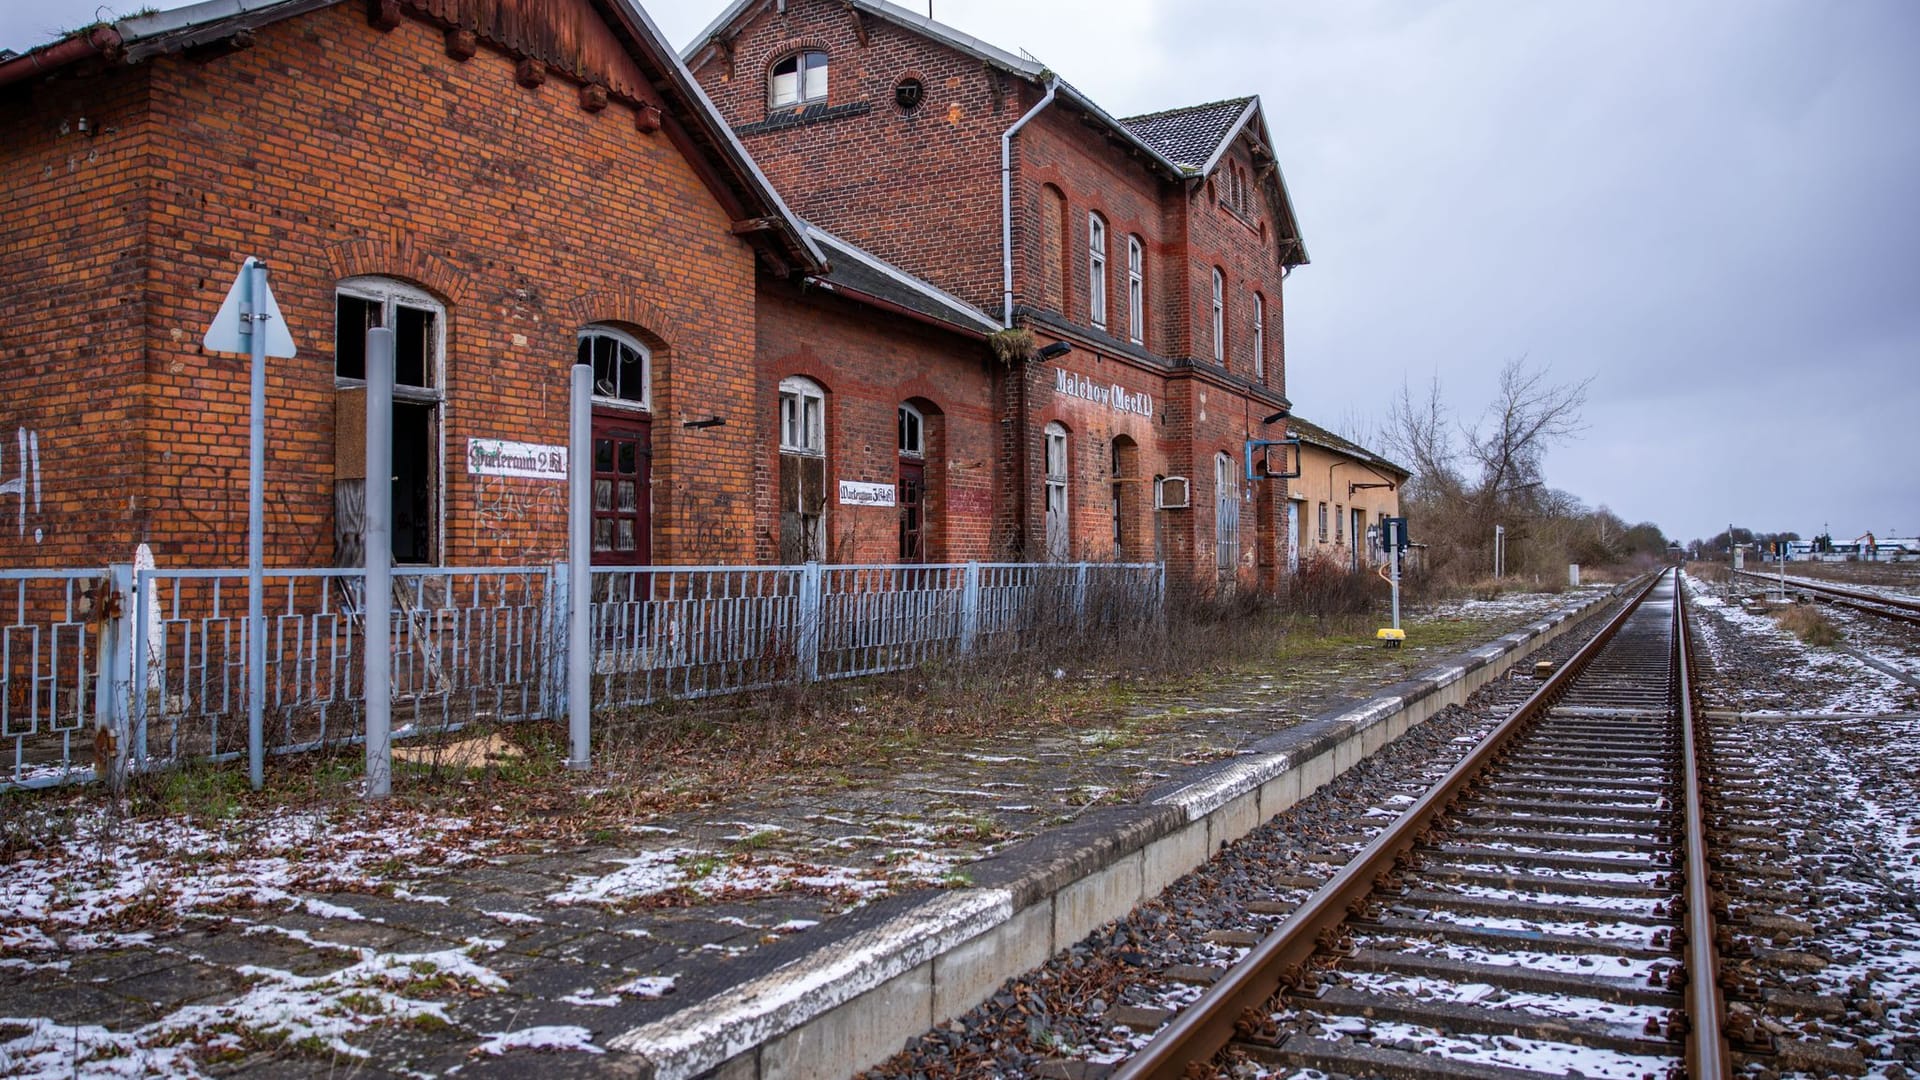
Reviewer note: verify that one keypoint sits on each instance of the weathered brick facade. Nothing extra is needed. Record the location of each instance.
(921, 187)
(334, 148)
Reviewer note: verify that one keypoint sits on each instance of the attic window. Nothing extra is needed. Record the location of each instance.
(908, 93)
(800, 79)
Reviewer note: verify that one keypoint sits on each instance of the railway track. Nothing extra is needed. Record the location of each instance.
(1545, 907)
(1887, 607)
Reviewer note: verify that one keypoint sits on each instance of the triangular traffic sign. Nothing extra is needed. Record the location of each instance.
(228, 333)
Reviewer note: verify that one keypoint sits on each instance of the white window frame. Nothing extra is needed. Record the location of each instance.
(1226, 516)
(801, 69)
(914, 422)
(645, 402)
(1136, 290)
(1097, 270)
(1219, 317)
(1259, 338)
(1059, 518)
(802, 417)
(391, 295)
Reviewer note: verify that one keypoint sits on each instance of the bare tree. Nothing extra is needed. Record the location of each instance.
(1529, 414)
(1418, 434)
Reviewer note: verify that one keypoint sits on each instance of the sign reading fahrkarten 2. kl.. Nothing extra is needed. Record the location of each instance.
(498, 457)
(1115, 395)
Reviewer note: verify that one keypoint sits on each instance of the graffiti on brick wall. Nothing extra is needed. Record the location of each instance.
(23, 480)
(507, 508)
(713, 530)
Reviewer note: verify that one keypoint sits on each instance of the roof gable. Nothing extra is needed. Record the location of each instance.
(1193, 135)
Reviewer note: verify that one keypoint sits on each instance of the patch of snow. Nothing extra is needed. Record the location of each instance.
(556, 1037)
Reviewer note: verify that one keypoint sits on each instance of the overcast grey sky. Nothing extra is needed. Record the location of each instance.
(1710, 207)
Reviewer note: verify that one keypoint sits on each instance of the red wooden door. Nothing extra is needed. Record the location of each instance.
(913, 511)
(622, 489)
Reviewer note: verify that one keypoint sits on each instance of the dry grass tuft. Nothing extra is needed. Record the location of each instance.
(1807, 623)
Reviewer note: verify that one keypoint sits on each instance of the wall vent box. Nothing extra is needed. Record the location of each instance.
(1171, 493)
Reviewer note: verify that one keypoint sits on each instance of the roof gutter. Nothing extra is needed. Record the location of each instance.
(1006, 203)
(99, 40)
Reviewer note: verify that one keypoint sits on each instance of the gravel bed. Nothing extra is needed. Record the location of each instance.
(1826, 872)
(1071, 1017)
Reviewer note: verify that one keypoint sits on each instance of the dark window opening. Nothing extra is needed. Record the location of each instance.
(908, 94)
(353, 317)
(414, 520)
(619, 369)
(413, 342)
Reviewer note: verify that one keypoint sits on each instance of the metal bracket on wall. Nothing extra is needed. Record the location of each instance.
(1262, 448)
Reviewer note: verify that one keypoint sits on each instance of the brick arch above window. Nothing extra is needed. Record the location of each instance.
(402, 260)
(635, 314)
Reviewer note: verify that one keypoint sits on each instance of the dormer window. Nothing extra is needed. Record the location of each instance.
(800, 79)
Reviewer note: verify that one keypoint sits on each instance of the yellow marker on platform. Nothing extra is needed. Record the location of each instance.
(1391, 635)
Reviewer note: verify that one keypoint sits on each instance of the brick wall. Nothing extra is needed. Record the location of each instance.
(72, 311)
(335, 149)
(939, 219)
(869, 363)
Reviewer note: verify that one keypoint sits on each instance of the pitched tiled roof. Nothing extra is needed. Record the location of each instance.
(1315, 435)
(1189, 136)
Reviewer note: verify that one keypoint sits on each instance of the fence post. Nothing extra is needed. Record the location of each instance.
(1160, 584)
(553, 631)
(139, 686)
(109, 673)
(970, 610)
(580, 569)
(808, 645)
(376, 591)
(1080, 593)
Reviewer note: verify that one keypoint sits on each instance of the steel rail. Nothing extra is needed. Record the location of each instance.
(1708, 1057)
(1202, 1029)
(1888, 607)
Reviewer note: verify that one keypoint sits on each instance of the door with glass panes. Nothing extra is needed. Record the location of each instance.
(622, 479)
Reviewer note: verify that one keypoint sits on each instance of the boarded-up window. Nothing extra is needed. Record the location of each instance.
(803, 471)
(1054, 262)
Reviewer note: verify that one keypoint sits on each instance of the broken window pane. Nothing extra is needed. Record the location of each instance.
(353, 317)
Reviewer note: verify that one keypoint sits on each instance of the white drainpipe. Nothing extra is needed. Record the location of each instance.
(1006, 204)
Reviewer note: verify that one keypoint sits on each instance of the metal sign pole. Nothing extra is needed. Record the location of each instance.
(255, 323)
(579, 568)
(1393, 548)
(377, 540)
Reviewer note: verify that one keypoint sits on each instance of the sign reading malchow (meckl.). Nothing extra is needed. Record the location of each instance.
(857, 493)
(498, 457)
(1118, 397)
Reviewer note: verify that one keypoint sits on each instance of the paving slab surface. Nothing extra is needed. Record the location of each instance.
(345, 940)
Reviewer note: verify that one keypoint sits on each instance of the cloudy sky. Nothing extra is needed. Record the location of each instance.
(1708, 207)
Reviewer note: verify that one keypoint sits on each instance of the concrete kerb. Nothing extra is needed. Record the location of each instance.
(854, 1002)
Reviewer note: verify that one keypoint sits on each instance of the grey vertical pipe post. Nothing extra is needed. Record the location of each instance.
(580, 569)
(377, 542)
(1393, 546)
(254, 318)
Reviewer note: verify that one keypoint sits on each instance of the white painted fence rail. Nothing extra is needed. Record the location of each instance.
(484, 643)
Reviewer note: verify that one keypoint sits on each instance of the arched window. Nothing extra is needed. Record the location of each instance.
(1226, 516)
(1097, 271)
(1136, 290)
(622, 372)
(1054, 263)
(1259, 338)
(418, 322)
(800, 79)
(1058, 543)
(1219, 317)
(803, 416)
(911, 487)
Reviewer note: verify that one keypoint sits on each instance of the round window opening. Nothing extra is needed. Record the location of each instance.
(908, 93)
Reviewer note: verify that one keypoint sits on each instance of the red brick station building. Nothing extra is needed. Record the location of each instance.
(792, 253)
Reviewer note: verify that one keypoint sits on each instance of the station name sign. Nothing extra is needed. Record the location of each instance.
(1118, 397)
(857, 493)
(498, 457)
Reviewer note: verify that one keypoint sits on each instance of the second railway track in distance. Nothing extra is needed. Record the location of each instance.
(1544, 908)
(1899, 609)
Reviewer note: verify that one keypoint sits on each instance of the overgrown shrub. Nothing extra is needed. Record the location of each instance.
(1809, 624)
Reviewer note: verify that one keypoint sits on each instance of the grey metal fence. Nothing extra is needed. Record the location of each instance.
(472, 643)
